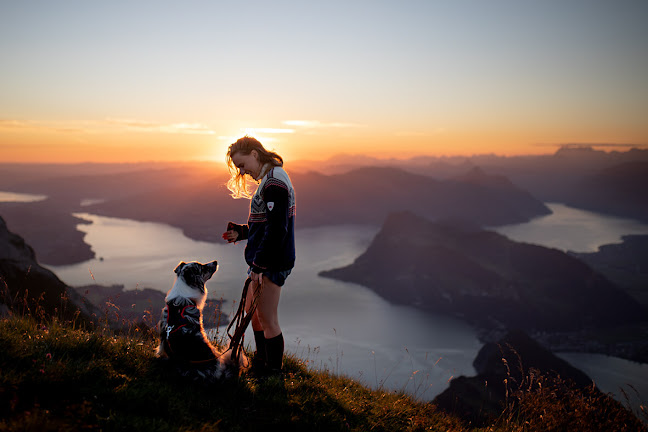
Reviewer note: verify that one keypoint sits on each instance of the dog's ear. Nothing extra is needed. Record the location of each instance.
(177, 269)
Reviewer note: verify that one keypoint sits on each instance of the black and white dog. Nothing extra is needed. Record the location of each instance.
(182, 335)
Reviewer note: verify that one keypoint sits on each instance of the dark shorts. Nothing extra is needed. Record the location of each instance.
(276, 277)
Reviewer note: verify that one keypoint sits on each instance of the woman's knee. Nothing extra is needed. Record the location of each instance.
(268, 318)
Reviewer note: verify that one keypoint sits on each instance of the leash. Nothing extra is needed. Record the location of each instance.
(241, 320)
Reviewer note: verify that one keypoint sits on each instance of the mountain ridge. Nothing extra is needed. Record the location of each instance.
(486, 279)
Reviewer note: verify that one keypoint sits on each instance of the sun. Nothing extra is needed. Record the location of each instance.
(218, 149)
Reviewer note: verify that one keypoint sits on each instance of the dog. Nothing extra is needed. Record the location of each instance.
(182, 335)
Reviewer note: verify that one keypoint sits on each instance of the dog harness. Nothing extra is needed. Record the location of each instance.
(182, 333)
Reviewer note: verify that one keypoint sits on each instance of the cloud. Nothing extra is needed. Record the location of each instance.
(437, 131)
(190, 128)
(148, 126)
(14, 124)
(232, 139)
(273, 130)
(39, 127)
(316, 124)
(98, 125)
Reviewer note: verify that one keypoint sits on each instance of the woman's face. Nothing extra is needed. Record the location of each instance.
(247, 164)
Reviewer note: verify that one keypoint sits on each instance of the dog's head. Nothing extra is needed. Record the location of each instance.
(195, 274)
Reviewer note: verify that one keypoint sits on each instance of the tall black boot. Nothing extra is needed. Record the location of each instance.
(259, 359)
(274, 353)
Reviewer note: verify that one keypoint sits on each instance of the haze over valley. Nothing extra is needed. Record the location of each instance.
(435, 249)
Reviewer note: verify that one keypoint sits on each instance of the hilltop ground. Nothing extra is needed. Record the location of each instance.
(54, 376)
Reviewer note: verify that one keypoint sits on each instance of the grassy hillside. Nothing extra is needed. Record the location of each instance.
(56, 377)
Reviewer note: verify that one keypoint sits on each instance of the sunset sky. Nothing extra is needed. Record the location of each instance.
(169, 80)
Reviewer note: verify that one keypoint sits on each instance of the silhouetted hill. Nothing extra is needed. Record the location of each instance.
(71, 185)
(192, 193)
(606, 182)
(26, 286)
(365, 195)
(60, 378)
(618, 190)
(567, 176)
(368, 195)
(50, 229)
(192, 196)
(503, 368)
(201, 210)
(625, 264)
(486, 278)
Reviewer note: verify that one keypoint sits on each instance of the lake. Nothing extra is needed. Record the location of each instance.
(343, 327)
(19, 197)
(571, 229)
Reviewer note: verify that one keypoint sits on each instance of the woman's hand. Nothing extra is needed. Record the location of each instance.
(233, 232)
(230, 236)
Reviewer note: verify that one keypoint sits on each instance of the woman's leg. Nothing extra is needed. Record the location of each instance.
(268, 308)
(267, 313)
(249, 299)
(259, 359)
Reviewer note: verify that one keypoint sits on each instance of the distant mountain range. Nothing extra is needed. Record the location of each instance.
(618, 190)
(368, 195)
(362, 196)
(195, 199)
(576, 175)
(487, 190)
(486, 279)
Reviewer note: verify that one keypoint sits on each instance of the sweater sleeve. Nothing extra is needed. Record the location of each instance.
(275, 196)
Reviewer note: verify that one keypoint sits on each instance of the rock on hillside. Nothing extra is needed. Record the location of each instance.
(25, 285)
(502, 368)
(486, 278)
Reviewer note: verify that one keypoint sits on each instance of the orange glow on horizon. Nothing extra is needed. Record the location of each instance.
(159, 143)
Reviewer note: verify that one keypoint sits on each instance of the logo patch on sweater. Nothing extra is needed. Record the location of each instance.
(271, 205)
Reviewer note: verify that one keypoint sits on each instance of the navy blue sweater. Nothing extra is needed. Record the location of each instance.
(271, 224)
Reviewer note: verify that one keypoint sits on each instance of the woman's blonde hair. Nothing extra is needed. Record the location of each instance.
(238, 183)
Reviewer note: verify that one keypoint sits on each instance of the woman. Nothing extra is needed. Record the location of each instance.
(270, 250)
